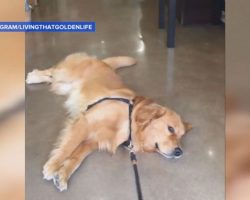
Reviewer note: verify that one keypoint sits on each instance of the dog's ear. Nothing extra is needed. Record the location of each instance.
(188, 127)
(147, 113)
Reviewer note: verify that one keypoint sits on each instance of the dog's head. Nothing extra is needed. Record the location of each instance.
(158, 128)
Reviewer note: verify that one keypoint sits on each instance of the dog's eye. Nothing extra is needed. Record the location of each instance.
(171, 129)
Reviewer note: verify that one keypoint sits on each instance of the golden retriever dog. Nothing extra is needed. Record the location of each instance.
(105, 126)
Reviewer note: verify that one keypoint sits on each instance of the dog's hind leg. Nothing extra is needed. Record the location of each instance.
(74, 133)
(40, 76)
(72, 163)
(46, 76)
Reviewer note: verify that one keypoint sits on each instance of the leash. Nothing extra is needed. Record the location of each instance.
(128, 143)
(137, 177)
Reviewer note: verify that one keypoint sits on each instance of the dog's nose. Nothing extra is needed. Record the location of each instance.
(178, 152)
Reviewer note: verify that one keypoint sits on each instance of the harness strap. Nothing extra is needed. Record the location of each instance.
(128, 143)
(127, 101)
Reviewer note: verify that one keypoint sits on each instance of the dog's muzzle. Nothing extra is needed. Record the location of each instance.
(176, 153)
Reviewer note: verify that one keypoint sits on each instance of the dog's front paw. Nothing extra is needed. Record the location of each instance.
(60, 180)
(49, 171)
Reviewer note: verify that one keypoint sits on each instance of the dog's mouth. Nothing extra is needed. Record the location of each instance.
(166, 155)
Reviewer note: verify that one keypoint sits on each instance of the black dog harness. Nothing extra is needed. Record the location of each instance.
(128, 143)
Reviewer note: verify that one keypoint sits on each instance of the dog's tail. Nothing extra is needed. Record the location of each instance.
(119, 61)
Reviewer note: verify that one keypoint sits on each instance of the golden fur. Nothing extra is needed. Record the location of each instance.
(85, 80)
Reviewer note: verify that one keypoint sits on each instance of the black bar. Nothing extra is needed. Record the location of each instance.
(161, 19)
(171, 23)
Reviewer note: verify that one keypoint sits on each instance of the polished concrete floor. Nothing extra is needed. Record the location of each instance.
(189, 79)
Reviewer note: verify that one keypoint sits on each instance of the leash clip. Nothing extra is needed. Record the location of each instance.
(131, 146)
